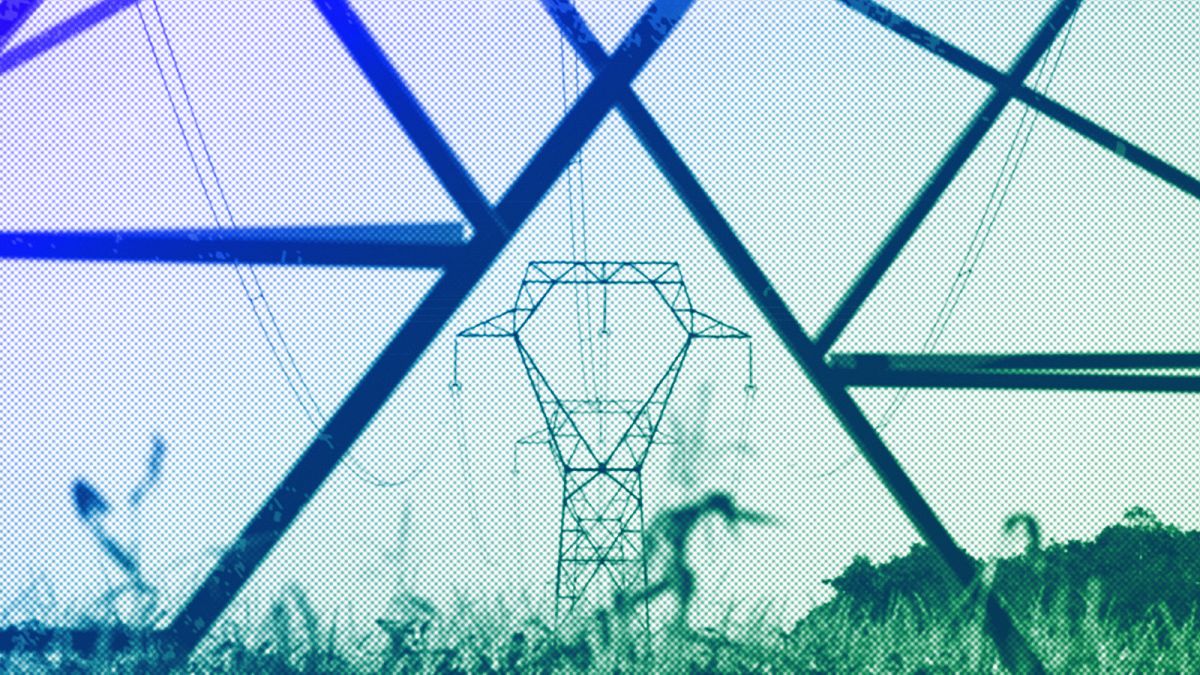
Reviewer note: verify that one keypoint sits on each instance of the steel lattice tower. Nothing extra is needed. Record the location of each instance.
(601, 527)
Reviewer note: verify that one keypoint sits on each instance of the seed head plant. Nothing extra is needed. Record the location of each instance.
(97, 515)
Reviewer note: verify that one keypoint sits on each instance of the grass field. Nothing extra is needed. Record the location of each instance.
(1086, 607)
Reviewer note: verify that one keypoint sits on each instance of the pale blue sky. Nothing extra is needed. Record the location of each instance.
(811, 129)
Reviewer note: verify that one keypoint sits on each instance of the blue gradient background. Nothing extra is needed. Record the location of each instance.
(810, 128)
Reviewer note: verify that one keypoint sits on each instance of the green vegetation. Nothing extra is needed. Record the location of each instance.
(1126, 601)
(1123, 602)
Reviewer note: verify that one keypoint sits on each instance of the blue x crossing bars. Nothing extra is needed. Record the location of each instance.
(464, 260)
(493, 228)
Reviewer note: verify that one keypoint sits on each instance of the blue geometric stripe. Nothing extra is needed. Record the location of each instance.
(493, 229)
(464, 263)
(1013, 646)
(57, 34)
(401, 245)
(13, 14)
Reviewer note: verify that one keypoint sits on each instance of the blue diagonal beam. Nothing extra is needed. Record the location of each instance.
(57, 34)
(1011, 644)
(403, 245)
(659, 19)
(493, 228)
(404, 107)
(1133, 153)
(937, 183)
(12, 16)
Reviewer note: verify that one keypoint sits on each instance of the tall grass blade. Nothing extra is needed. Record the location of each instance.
(154, 463)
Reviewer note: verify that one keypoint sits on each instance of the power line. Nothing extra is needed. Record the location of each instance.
(579, 249)
(979, 238)
(984, 227)
(247, 277)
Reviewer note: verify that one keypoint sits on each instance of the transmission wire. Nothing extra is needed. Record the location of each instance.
(578, 247)
(979, 239)
(579, 250)
(983, 228)
(247, 277)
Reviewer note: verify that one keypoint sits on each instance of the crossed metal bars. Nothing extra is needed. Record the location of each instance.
(494, 226)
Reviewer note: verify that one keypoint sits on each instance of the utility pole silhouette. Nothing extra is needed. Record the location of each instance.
(602, 546)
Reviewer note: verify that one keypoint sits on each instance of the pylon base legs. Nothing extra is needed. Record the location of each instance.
(601, 550)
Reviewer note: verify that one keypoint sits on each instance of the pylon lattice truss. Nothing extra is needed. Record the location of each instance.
(601, 530)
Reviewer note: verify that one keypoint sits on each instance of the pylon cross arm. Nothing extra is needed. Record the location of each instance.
(701, 325)
(504, 324)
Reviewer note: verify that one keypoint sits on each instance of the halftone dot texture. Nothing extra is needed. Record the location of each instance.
(808, 126)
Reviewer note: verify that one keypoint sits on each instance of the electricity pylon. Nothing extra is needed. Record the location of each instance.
(602, 523)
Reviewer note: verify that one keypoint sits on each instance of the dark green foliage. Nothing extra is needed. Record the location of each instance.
(1139, 565)
(869, 591)
(1141, 568)
(1144, 565)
